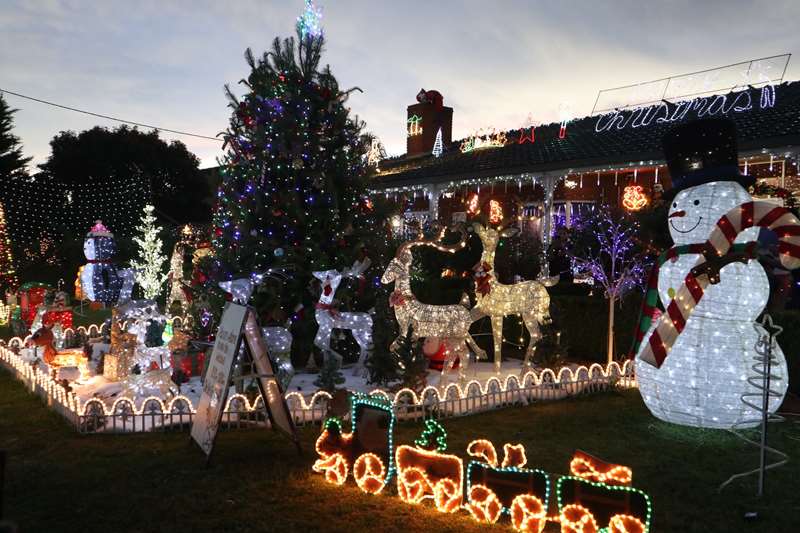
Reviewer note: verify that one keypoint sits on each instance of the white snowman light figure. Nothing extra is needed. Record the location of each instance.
(701, 381)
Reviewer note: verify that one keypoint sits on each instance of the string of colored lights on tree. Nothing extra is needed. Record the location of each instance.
(293, 192)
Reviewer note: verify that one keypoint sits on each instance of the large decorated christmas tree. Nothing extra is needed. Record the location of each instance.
(293, 195)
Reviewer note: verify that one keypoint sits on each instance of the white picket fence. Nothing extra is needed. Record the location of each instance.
(125, 415)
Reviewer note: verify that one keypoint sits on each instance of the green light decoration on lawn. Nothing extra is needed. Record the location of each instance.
(433, 433)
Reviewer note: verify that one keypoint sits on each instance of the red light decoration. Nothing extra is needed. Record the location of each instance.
(495, 212)
(473, 208)
(525, 138)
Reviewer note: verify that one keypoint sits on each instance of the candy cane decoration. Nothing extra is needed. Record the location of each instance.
(750, 214)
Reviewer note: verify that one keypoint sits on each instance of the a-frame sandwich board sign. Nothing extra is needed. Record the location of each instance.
(238, 324)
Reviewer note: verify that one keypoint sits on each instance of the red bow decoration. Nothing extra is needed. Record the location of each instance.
(330, 308)
(482, 278)
(396, 299)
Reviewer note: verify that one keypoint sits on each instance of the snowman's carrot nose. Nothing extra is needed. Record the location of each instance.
(677, 214)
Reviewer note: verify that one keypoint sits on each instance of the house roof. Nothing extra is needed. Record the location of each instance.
(611, 139)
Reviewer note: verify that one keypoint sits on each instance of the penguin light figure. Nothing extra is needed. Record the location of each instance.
(704, 374)
(102, 280)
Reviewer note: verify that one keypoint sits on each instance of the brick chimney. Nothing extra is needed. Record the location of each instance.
(424, 119)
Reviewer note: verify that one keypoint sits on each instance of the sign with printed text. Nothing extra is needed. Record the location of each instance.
(274, 401)
(217, 380)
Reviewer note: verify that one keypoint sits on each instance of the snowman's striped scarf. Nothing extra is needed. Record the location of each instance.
(672, 322)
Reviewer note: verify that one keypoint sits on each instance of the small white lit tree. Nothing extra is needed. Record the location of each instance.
(149, 267)
(604, 246)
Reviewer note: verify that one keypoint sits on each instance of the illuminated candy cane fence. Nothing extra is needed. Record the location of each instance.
(751, 214)
(597, 496)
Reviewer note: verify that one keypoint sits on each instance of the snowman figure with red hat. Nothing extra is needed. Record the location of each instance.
(693, 360)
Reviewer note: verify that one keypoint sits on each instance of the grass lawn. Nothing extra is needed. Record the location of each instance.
(59, 481)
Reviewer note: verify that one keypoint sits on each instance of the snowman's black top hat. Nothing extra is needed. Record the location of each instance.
(703, 151)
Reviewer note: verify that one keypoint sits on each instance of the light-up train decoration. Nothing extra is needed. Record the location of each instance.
(596, 497)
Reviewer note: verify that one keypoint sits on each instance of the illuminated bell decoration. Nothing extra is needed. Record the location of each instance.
(701, 381)
(102, 280)
(634, 198)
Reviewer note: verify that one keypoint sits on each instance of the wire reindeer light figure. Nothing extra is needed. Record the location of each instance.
(329, 317)
(529, 299)
(449, 323)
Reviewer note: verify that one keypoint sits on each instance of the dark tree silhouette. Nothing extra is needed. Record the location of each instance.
(166, 171)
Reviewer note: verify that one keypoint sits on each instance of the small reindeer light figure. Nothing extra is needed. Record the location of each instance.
(329, 317)
(496, 300)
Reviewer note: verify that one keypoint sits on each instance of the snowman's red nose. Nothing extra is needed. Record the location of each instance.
(677, 214)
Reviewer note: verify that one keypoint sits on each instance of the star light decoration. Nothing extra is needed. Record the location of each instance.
(310, 22)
